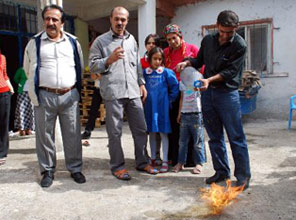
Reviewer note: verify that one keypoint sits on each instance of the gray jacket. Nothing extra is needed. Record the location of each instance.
(123, 77)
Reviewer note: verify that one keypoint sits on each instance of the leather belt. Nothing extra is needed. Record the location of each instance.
(190, 113)
(57, 91)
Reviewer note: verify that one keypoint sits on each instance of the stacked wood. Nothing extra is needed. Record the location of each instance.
(87, 91)
(250, 84)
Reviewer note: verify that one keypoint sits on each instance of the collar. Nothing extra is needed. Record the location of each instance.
(114, 35)
(159, 70)
(216, 36)
(44, 36)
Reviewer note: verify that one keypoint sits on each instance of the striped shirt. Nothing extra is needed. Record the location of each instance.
(3, 75)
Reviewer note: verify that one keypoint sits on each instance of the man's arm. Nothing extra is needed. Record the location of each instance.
(26, 62)
(97, 60)
(194, 62)
(234, 64)
(80, 56)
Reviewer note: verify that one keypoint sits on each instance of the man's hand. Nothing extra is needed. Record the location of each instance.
(143, 92)
(95, 76)
(117, 54)
(205, 84)
(181, 66)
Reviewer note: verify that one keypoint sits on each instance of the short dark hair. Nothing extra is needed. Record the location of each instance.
(48, 7)
(155, 37)
(154, 51)
(228, 18)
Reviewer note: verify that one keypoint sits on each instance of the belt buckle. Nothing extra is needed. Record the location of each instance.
(56, 91)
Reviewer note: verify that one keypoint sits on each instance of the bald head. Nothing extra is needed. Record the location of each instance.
(119, 9)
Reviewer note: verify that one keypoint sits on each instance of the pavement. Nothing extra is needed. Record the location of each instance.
(272, 192)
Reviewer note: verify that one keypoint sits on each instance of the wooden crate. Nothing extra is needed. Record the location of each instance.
(86, 98)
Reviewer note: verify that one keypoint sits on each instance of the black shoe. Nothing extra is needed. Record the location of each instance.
(47, 179)
(217, 178)
(86, 134)
(244, 183)
(78, 177)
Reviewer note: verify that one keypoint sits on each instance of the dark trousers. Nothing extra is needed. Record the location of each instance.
(221, 109)
(4, 118)
(93, 114)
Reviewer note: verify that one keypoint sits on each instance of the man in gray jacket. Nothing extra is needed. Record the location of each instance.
(115, 55)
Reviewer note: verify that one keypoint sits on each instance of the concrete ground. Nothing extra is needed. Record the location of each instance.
(272, 193)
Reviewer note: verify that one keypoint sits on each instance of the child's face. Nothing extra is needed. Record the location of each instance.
(150, 44)
(156, 60)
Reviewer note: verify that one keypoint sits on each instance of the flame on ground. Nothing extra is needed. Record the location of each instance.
(219, 197)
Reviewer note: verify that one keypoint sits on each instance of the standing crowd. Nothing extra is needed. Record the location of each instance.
(150, 91)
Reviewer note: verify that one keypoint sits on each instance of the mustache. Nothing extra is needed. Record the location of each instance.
(50, 27)
(119, 26)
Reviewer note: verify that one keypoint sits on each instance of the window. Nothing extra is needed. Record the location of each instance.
(29, 20)
(258, 35)
(8, 17)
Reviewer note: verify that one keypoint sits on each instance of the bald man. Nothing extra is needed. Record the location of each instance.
(115, 55)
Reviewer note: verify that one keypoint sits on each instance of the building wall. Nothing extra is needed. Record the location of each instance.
(81, 31)
(273, 98)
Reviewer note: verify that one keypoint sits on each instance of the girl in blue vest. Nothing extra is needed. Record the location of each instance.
(163, 88)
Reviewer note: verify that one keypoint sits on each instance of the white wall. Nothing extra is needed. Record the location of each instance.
(273, 98)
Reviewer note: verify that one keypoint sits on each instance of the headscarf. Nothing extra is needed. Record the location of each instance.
(175, 29)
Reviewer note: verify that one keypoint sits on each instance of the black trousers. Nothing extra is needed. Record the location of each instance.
(4, 118)
(93, 114)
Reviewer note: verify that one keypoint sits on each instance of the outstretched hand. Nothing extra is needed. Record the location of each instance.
(181, 66)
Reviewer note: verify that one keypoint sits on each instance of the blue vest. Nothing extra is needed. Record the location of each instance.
(76, 60)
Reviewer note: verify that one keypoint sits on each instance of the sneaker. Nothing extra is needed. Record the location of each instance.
(86, 134)
(164, 168)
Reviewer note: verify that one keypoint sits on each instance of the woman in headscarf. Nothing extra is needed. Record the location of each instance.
(175, 53)
(6, 90)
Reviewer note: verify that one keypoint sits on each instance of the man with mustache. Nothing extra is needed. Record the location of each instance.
(115, 56)
(223, 55)
(53, 63)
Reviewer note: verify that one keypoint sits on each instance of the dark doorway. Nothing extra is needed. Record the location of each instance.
(9, 48)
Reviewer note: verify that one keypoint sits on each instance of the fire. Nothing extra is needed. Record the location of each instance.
(219, 197)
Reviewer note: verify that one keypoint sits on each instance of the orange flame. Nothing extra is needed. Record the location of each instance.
(219, 197)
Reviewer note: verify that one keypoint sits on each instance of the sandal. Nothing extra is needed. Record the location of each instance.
(2, 161)
(149, 169)
(122, 174)
(164, 168)
(85, 143)
(178, 168)
(197, 169)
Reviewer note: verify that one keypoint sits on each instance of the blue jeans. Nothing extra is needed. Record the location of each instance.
(191, 126)
(221, 108)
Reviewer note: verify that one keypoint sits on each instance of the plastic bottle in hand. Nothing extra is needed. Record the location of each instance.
(190, 77)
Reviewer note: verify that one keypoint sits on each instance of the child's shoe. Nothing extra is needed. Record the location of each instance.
(158, 162)
(164, 168)
(153, 162)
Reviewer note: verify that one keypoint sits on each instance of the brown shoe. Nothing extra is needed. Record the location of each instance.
(22, 132)
(29, 132)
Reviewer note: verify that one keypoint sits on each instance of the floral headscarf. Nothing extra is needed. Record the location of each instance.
(175, 29)
(172, 28)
